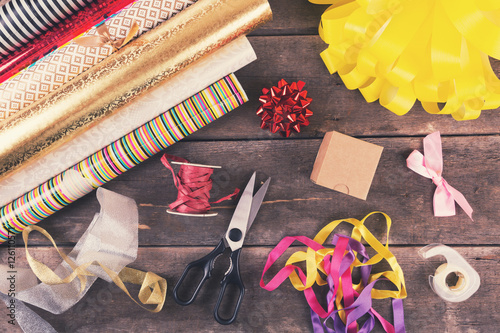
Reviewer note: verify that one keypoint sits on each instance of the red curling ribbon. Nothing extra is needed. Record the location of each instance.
(284, 108)
(193, 184)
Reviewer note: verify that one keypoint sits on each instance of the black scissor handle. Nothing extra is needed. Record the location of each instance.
(207, 264)
(232, 277)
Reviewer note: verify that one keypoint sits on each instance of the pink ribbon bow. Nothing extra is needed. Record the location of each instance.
(431, 166)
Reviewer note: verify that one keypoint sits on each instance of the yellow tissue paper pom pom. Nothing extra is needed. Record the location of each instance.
(398, 51)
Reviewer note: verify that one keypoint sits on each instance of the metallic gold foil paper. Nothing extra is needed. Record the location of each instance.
(152, 58)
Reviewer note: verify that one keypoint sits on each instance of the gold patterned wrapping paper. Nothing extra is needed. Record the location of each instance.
(67, 62)
(154, 57)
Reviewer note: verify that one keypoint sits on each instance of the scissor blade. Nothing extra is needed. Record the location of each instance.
(240, 218)
(257, 202)
(238, 226)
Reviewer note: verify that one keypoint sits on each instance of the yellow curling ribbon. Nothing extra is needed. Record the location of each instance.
(314, 260)
(400, 51)
(153, 287)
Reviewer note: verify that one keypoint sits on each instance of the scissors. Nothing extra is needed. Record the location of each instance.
(242, 220)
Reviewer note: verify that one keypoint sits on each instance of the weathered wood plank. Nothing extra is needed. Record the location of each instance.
(106, 309)
(292, 17)
(335, 107)
(294, 205)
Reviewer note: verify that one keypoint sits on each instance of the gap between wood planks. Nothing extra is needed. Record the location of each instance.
(233, 206)
(372, 136)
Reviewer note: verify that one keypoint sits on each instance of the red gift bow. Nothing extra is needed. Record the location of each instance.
(284, 108)
(430, 165)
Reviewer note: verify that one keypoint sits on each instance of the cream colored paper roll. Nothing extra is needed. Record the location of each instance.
(155, 57)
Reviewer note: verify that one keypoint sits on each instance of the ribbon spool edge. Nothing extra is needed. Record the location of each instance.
(197, 165)
(209, 214)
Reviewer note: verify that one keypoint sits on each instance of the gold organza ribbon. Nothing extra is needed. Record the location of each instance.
(104, 250)
(153, 287)
(104, 37)
(398, 51)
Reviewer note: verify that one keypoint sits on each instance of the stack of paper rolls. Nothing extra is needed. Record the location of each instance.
(195, 39)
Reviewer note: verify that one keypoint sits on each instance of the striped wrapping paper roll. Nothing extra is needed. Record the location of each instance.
(22, 21)
(120, 156)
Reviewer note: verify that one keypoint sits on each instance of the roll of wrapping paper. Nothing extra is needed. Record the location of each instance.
(226, 60)
(30, 29)
(152, 58)
(70, 60)
(123, 154)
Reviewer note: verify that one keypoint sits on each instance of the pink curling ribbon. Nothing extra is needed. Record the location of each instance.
(338, 268)
(430, 165)
(193, 184)
(348, 306)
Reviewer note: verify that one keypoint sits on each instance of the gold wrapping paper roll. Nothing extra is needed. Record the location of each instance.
(151, 59)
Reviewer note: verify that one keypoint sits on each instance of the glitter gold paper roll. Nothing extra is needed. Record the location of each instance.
(142, 64)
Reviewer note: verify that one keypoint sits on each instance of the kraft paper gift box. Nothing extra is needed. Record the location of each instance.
(346, 164)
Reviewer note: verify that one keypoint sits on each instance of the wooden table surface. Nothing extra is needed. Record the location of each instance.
(288, 47)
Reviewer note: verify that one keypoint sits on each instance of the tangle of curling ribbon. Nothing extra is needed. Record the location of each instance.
(400, 51)
(193, 185)
(347, 302)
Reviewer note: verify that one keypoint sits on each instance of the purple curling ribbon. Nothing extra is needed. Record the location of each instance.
(362, 304)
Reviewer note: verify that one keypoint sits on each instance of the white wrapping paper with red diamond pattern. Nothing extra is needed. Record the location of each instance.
(72, 59)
